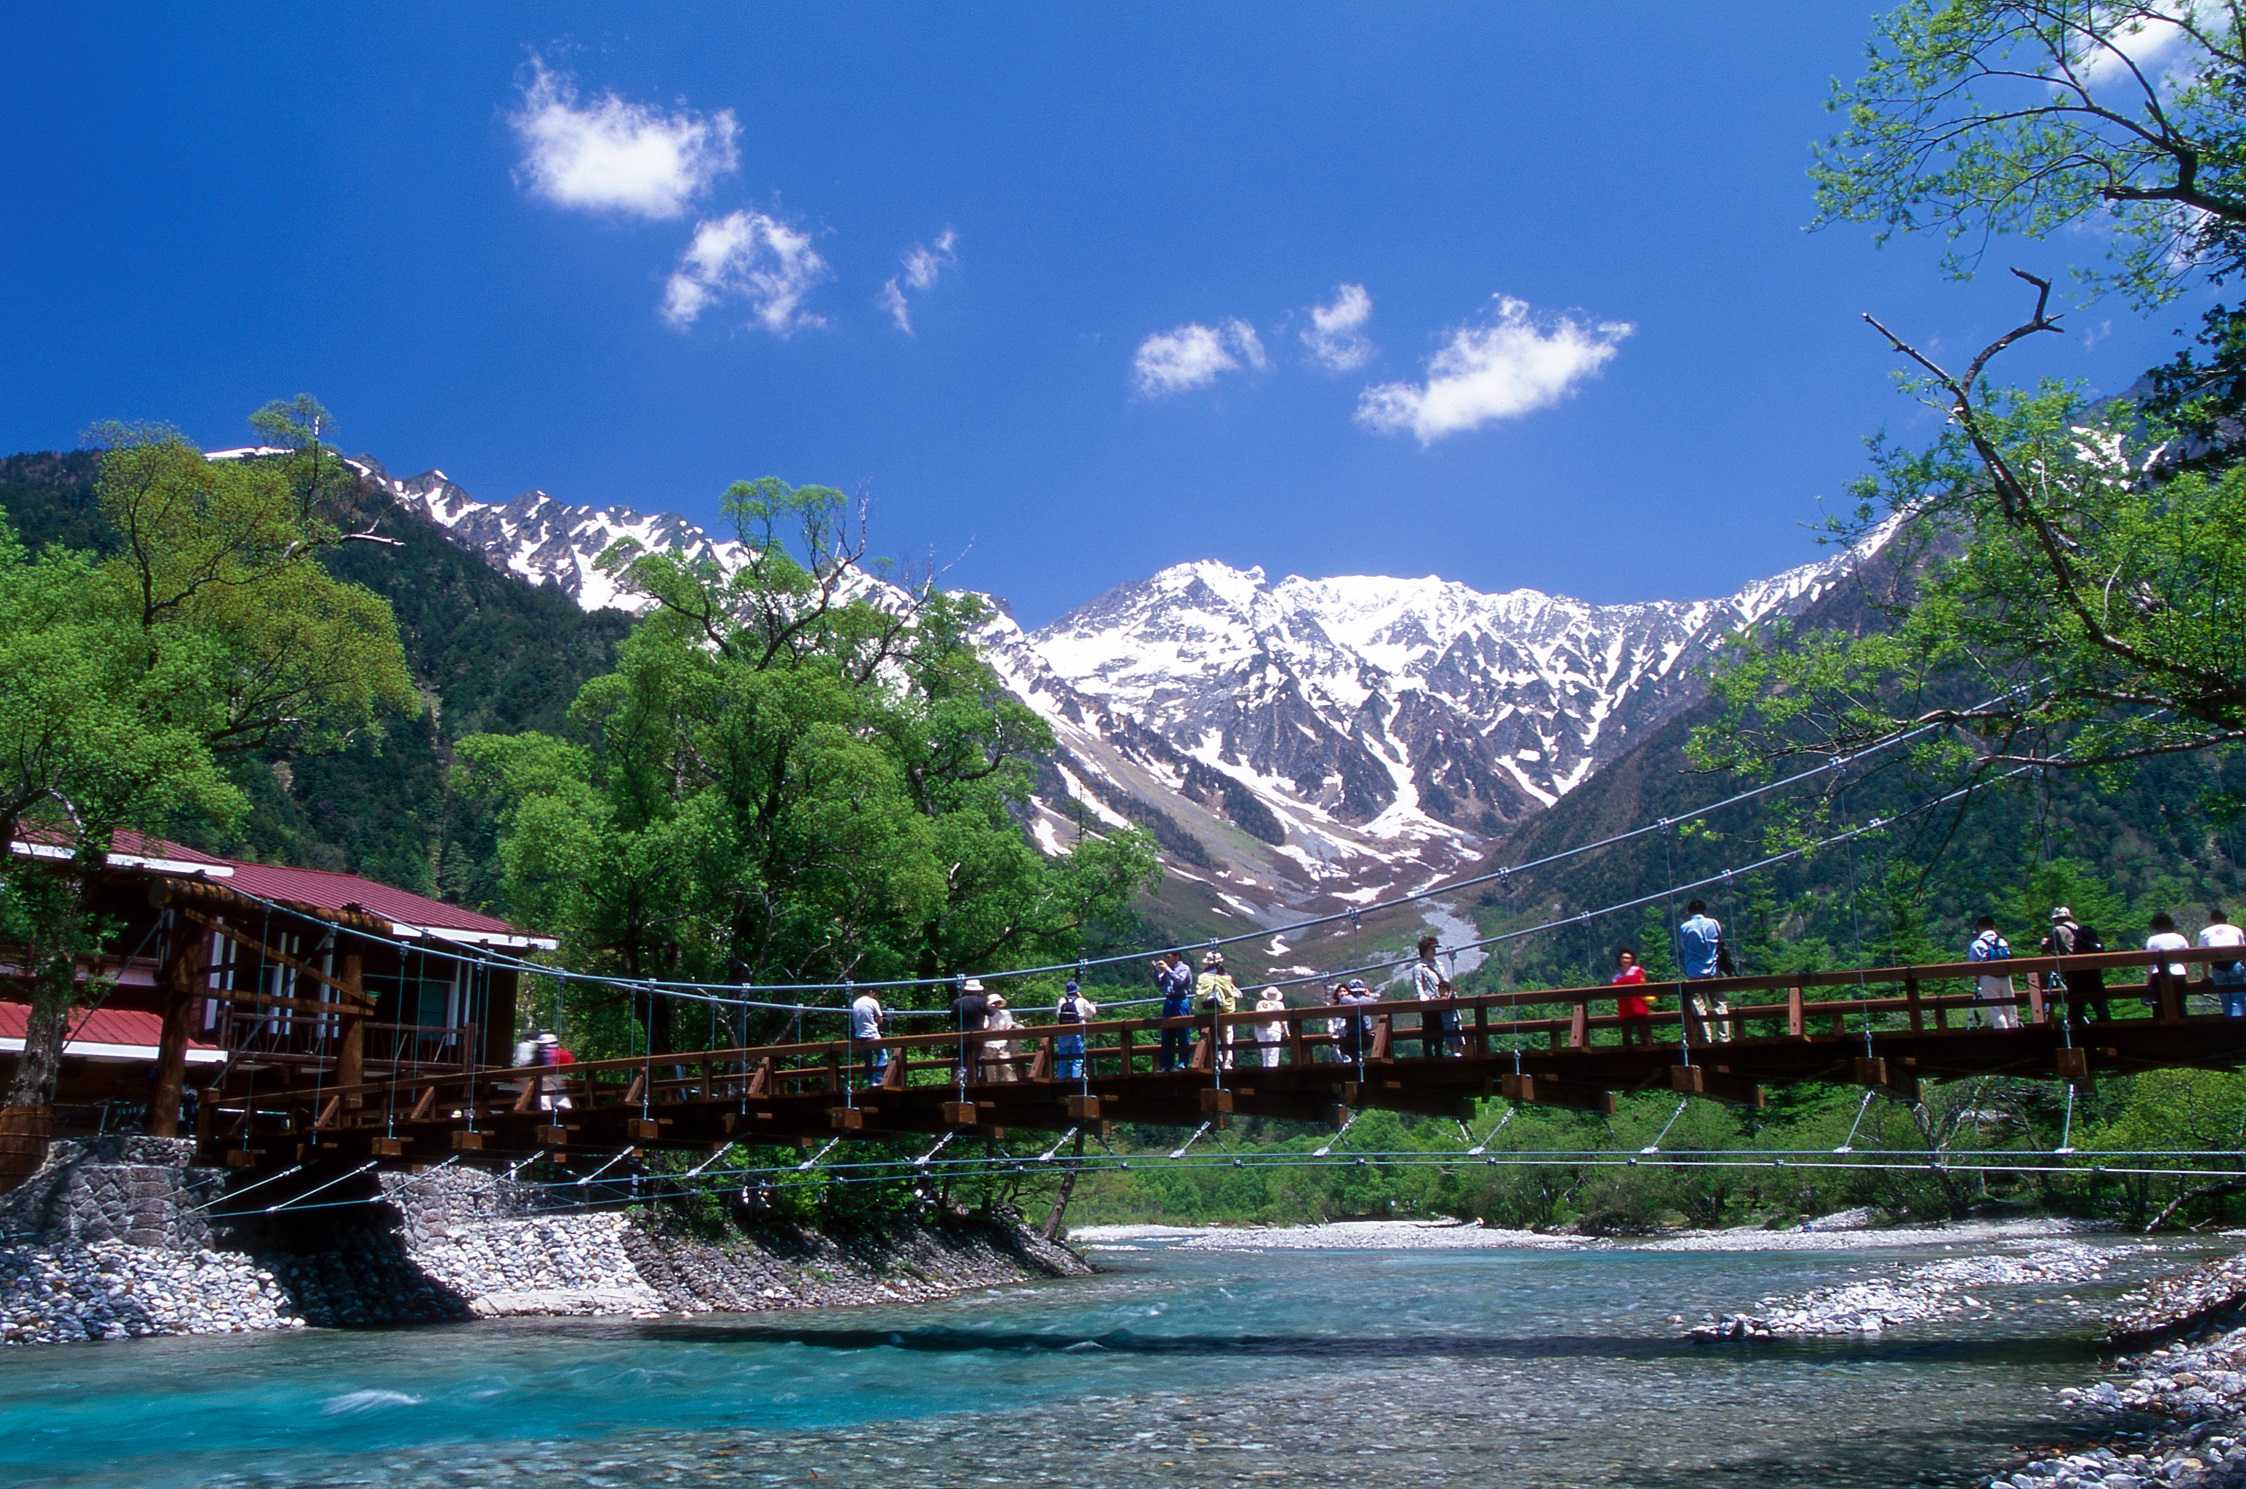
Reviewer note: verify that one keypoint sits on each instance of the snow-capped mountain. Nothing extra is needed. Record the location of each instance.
(1329, 737)
(1310, 741)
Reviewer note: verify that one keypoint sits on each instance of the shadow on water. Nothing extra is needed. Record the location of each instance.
(2000, 1350)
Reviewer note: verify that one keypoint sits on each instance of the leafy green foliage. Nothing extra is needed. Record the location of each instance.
(1979, 117)
(207, 627)
(792, 777)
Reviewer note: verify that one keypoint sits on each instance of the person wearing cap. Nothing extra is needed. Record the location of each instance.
(1990, 988)
(2227, 978)
(998, 1054)
(1068, 1050)
(1218, 995)
(2086, 986)
(865, 1025)
(970, 1012)
(1175, 981)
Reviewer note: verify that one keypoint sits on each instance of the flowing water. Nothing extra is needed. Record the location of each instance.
(1175, 1366)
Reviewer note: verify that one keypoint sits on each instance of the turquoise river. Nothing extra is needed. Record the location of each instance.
(1175, 1366)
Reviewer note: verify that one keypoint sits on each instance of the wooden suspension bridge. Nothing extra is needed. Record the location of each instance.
(1887, 1029)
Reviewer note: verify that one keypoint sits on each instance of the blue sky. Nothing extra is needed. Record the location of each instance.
(1508, 294)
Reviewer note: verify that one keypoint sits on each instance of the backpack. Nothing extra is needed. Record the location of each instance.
(2086, 939)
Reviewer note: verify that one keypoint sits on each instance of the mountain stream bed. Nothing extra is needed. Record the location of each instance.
(1177, 1366)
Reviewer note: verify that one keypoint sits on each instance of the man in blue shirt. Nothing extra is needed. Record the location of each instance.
(1700, 950)
(1175, 980)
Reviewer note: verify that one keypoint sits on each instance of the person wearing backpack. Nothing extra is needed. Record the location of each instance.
(1993, 989)
(2086, 986)
(1068, 1050)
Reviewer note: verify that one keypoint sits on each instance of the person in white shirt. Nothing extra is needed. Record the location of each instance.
(2165, 937)
(1990, 988)
(865, 1024)
(2228, 978)
(1271, 1032)
(998, 1055)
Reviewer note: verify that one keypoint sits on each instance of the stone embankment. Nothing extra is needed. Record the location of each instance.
(120, 1238)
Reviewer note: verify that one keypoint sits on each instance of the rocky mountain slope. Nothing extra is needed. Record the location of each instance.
(1304, 743)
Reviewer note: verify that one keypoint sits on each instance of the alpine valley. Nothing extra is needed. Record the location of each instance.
(1305, 744)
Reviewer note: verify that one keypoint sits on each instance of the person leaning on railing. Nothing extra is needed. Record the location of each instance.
(1700, 947)
(2227, 978)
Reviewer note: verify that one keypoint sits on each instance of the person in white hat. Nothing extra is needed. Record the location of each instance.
(998, 1054)
(971, 1012)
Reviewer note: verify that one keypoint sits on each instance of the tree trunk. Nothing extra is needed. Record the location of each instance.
(185, 960)
(59, 928)
(1052, 1227)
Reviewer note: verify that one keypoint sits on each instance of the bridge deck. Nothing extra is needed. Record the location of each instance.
(1881, 1028)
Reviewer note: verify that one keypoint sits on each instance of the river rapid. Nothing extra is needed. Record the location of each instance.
(1174, 1367)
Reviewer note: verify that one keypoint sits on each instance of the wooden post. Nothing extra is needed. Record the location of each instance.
(351, 1043)
(2171, 997)
(2037, 1014)
(1796, 1018)
(1579, 1025)
(186, 958)
(1918, 1014)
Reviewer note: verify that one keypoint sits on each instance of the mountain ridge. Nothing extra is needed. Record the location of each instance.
(1292, 745)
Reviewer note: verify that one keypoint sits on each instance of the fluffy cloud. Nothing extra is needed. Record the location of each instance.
(750, 257)
(613, 156)
(1507, 367)
(2151, 44)
(1336, 336)
(925, 263)
(1191, 356)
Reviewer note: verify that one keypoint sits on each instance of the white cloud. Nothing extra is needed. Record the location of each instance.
(2145, 40)
(1501, 370)
(750, 257)
(614, 156)
(925, 263)
(1191, 356)
(1336, 337)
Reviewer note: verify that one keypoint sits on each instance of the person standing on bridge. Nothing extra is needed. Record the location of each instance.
(1357, 995)
(865, 1026)
(1269, 1033)
(1429, 986)
(1701, 951)
(2086, 986)
(998, 1055)
(1175, 981)
(971, 1012)
(2165, 937)
(1991, 988)
(1068, 1050)
(2227, 978)
(1635, 1012)
(1219, 995)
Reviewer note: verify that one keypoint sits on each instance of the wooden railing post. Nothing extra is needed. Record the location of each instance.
(1917, 1012)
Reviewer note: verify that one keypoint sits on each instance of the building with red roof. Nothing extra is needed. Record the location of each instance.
(229, 976)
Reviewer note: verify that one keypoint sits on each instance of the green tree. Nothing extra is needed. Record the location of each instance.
(211, 629)
(798, 773)
(1979, 117)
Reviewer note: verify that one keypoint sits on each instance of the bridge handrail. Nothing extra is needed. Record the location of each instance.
(840, 1054)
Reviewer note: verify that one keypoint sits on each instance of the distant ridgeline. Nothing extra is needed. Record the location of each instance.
(488, 651)
(492, 651)
(2114, 852)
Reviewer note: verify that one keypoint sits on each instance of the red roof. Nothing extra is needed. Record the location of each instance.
(316, 889)
(124, 1026)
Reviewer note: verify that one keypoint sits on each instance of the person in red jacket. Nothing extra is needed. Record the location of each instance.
(1636, 1012)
